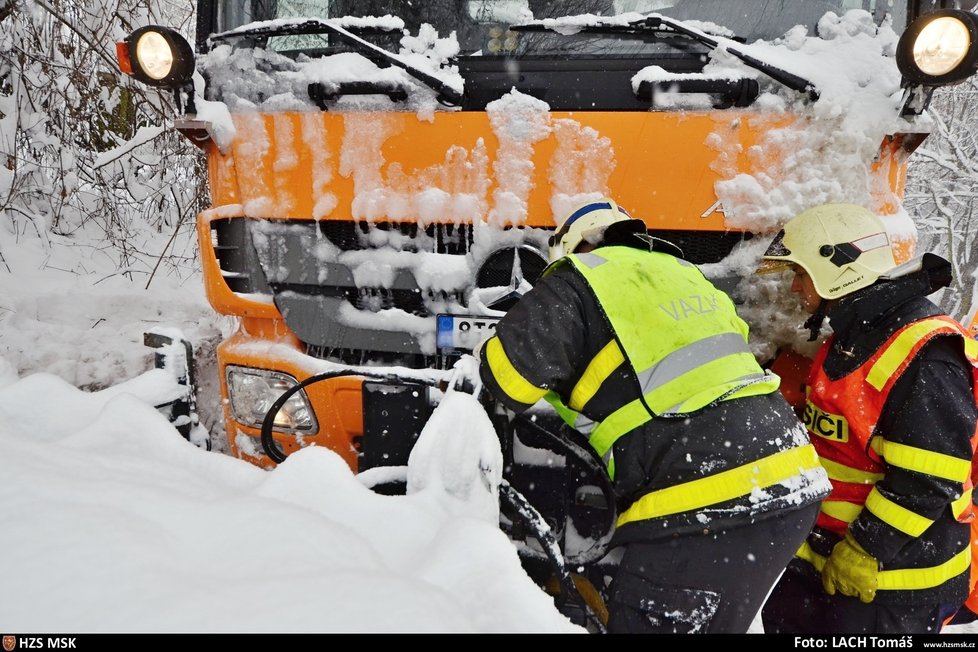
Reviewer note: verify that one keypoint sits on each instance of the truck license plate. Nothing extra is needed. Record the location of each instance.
(463, 332)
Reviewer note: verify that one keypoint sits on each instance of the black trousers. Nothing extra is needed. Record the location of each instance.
(799, 605)
(704, 583)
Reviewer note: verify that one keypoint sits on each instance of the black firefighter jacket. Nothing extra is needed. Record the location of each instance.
(552, 334)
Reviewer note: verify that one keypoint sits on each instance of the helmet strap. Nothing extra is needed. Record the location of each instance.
(814, 322)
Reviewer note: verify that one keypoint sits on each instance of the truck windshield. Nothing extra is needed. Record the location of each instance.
(482, 26)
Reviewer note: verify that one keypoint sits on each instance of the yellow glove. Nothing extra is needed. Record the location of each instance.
(851, 570)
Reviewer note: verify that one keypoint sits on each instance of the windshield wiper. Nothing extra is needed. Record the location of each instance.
(657, 24)
(792, 81)
(446, 93)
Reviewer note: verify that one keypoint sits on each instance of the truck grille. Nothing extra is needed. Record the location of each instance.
(312, 270)
(438, 238)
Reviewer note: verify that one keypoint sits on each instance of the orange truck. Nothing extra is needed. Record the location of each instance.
(384, 176)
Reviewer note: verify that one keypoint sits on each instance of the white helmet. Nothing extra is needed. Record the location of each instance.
(588, 223)
(842, 247)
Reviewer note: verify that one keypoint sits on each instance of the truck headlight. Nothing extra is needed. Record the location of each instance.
(253, 391)
(939, 48)
(158, 56)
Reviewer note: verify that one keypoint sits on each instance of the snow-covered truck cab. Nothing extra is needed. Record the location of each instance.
(384, 175)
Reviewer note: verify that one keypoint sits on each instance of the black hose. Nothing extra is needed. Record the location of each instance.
(268, 444)
(548, 542)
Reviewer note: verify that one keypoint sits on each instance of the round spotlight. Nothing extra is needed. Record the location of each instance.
(160, 56)
(939, 48)
(154, 55)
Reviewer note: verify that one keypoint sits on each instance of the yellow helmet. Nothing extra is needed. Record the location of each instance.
(842, 247)
(588, 222)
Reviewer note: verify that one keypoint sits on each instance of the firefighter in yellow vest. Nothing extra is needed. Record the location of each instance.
(891, 409)
(716, 482)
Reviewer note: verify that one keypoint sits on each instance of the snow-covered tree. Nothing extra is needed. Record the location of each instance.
(942, 191)
(84, 153)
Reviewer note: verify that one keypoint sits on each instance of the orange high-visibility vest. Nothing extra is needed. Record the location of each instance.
(841, 416)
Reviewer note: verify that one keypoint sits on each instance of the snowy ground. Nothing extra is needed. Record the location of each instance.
(114, 523)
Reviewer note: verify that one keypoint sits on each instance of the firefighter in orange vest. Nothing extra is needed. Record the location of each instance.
(891, 409)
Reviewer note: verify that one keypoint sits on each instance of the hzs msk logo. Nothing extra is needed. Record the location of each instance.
(9, 643)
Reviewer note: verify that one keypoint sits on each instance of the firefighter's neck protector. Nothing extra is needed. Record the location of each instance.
(842, 247)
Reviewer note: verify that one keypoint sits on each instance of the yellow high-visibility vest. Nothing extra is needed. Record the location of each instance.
(680, 336)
